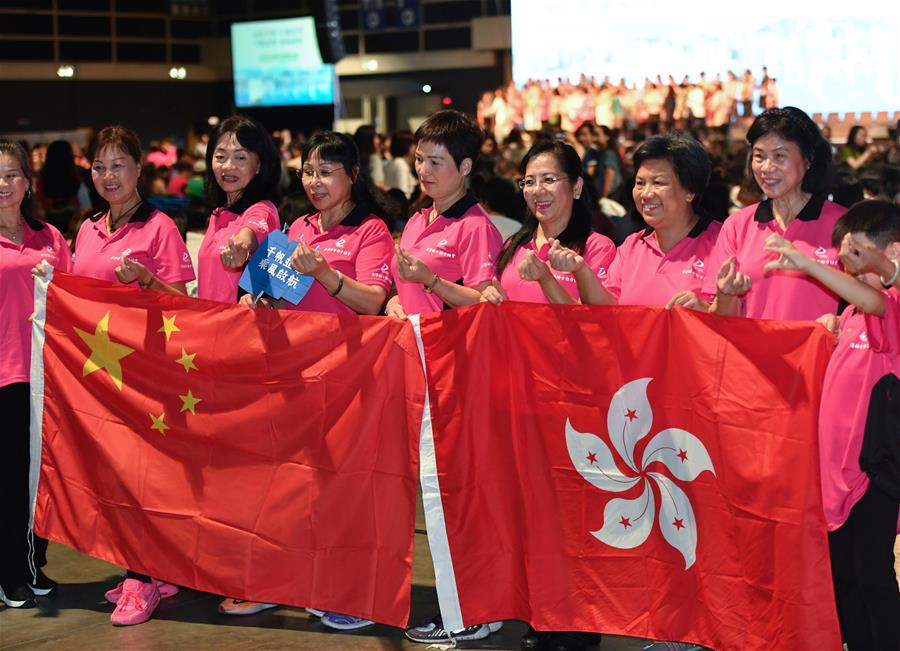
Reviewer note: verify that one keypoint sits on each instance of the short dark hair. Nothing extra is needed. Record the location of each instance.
(17, 151)
(457, 131)
(250, 135)
(877, 219)
(339, 148)
(115, 136)
(687, 156)
(580, 225)
(401, 141)
(793, 124)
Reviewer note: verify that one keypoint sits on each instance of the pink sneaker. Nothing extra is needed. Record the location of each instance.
(166, 590)
(136, 603)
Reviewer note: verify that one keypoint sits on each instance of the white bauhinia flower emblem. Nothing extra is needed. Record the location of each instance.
(627, 523)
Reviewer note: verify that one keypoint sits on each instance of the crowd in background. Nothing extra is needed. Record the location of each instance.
(604, 122)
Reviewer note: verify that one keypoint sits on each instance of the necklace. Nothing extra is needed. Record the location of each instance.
(14, 234)
(113, 224)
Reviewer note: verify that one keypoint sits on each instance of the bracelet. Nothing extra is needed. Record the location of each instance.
(340, 284)
(887, 284)
(430, 286)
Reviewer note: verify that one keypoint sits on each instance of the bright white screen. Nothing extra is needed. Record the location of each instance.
(277, 63)
(827, 55)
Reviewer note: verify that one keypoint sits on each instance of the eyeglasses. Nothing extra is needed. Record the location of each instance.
(530, 183)
(309, 173)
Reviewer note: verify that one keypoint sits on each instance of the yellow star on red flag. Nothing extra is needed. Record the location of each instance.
(105, 353)
(159, 423)
(189, 402)
(168, 326)
(187, 361)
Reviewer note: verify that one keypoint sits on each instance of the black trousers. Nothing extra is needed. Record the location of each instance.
(20, 551)
(862, 566)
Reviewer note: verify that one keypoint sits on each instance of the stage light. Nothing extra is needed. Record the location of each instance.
(177, 72)
(446, 101)
(371, 65)
(426, 88)
(65, 71)
(213, 120)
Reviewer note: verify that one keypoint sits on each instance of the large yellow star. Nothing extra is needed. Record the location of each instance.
(168, 326)
(159, 423)
(188, 402)
(105, 354)
(187, 361)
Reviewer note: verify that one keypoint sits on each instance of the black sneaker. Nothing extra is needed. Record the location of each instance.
(18, 597)
(433, 632)
(43, 586)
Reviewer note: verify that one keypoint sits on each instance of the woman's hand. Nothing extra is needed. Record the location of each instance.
(832, 323)
(860, 257)
(411, 269)
(248, 300)
(309, 261)
(235, 254)
(41, 269)
(730, 281)
(789, 257)
(687, 299)
(563, 258)
(533, 268)
(393, 308)
(493, 293)
(130, 270)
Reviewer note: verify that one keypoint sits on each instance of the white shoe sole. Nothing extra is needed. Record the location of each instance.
(358, 626)
(12, 603)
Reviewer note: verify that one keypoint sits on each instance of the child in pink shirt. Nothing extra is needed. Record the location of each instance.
(861, 515)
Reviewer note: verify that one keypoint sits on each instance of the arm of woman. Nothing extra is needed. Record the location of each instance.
(866, 298)
(534, 269)
(130, 270)
(590, 289)
(731, 285)
(411, 269)
(857, 161)
(359, 297)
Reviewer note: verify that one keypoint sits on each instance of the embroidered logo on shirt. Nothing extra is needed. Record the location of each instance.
(442, 244)
(821, 252)
(341, 242)
(696, 269)
(862, 342)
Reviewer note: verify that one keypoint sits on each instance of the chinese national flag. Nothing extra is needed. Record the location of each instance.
(256, 454)
(628, 470)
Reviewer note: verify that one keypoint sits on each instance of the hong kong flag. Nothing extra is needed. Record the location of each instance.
(250, 453)
(628, 470)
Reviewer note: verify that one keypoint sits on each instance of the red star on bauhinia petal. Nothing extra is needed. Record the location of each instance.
(591, 457)
(631, 414)
(678, 524)
(682, 454)
(625, 522)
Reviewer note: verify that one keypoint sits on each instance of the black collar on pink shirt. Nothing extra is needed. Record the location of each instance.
(140, 216)
(34, 224)
(354, 218)
(702, 224)
(810, 213)
(461, 206)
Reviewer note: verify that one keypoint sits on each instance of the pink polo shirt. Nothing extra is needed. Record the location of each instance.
(40, 241)
(360, 247)
(150, 237)
(599, 251)
(460, 245)
(215, 281)
(782, 294)
(642, 274)
(867, 350)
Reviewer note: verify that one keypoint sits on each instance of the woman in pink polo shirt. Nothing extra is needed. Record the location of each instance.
(346, 247)
(552, 186)
(24, 243)
(131, 241)
(664, 264)
(447, 251)
(243, 168)
(791, 162)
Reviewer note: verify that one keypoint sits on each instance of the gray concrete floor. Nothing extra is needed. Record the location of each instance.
(77, 618)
